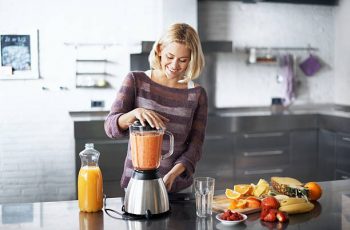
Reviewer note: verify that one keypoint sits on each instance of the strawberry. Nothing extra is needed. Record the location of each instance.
(282, 216)
(271, 216)
(264, 212)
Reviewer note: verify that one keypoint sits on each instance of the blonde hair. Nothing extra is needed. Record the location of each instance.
(184, 34)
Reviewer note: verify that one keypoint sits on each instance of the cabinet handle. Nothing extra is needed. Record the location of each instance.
(257, 135)
(214, 137)
(263, 153)
(346, 139)
(263, 171)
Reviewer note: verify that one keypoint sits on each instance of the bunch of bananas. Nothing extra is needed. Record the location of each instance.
(294, 205)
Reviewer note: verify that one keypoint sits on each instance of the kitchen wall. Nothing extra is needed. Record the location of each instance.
(269, 25)
(36, 132)
(342, 54)
(37, 161)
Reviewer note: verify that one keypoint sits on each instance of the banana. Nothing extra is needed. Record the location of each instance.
(292, 200)
(281, 197)
(297, 208)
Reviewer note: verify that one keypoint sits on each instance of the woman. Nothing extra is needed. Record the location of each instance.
(166, 97)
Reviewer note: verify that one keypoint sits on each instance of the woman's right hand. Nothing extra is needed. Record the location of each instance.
(153, 118)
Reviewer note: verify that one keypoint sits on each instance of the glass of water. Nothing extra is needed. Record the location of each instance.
(204, 191)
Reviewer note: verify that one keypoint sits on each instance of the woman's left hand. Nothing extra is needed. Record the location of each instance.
(169, 179)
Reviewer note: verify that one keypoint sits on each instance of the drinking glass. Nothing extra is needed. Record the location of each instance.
(204, 192)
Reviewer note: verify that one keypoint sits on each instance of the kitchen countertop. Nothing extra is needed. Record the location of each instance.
(321, 109)
(332, 211)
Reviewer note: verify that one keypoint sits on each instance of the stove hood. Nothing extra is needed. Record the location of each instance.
(207, 46)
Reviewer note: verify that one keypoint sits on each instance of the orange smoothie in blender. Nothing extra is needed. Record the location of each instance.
(90, 192)
(146, 150)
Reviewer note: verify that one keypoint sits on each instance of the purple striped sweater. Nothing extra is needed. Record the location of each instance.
(185, 108)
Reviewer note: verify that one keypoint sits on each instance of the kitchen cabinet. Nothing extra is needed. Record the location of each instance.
(326, 155)
(303, 157)
(334, 156)
(261, 155)
(217, 160)
(112, 152)
(342, 156)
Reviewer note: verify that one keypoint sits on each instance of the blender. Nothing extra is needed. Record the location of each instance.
(146, 194)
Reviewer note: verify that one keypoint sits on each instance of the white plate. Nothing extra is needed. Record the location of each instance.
(230, 222)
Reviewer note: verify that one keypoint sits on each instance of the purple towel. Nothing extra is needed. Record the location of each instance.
(310, 66)
(288, 64)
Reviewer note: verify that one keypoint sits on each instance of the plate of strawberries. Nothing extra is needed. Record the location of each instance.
(231, 217)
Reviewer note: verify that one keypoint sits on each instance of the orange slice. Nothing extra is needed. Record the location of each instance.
(241, 204)
(231, 194)
(233, 205)
(244, 189)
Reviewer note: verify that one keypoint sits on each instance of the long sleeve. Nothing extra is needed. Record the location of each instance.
(123, 103)
(196, 138)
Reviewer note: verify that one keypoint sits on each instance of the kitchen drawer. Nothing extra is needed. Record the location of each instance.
(217, 154)
(262, 140)
(267, 157)
(341, 175)
(343, 152)
(252, 175)
(89, 130)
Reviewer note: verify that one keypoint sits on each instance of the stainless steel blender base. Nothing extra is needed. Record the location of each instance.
(146, 197)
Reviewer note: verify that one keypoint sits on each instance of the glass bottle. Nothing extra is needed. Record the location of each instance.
(90, 184)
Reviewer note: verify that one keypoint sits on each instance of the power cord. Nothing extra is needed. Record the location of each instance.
(122, 216)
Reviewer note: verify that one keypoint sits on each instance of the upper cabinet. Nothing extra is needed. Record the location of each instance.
(313, 2)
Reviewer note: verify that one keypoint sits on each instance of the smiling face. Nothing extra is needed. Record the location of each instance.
(174, 59)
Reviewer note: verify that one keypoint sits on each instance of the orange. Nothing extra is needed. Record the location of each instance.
(244, 189)
(231, 194)
(253, 202)
(315, 190)
(233, 205)
(241, 204)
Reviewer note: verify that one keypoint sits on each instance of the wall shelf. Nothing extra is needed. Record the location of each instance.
(92, 65)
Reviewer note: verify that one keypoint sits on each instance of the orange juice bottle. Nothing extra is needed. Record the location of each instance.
(90, 183)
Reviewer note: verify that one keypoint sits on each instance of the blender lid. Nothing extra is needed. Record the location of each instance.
(137, 126)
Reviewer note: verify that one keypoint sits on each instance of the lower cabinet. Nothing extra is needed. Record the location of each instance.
(113, 152)
(217, 160)
(342, 156)
(334, 156)
(303, 157)
(326, 155)
(261, 155)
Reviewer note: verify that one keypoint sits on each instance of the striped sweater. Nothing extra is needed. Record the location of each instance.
(185, 108)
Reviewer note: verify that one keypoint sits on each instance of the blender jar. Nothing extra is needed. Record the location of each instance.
(146, 146)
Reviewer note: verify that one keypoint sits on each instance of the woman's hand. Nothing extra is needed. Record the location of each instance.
(153, 118)
(170, 177)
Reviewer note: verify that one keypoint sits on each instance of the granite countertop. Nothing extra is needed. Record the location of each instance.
(332, 211)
